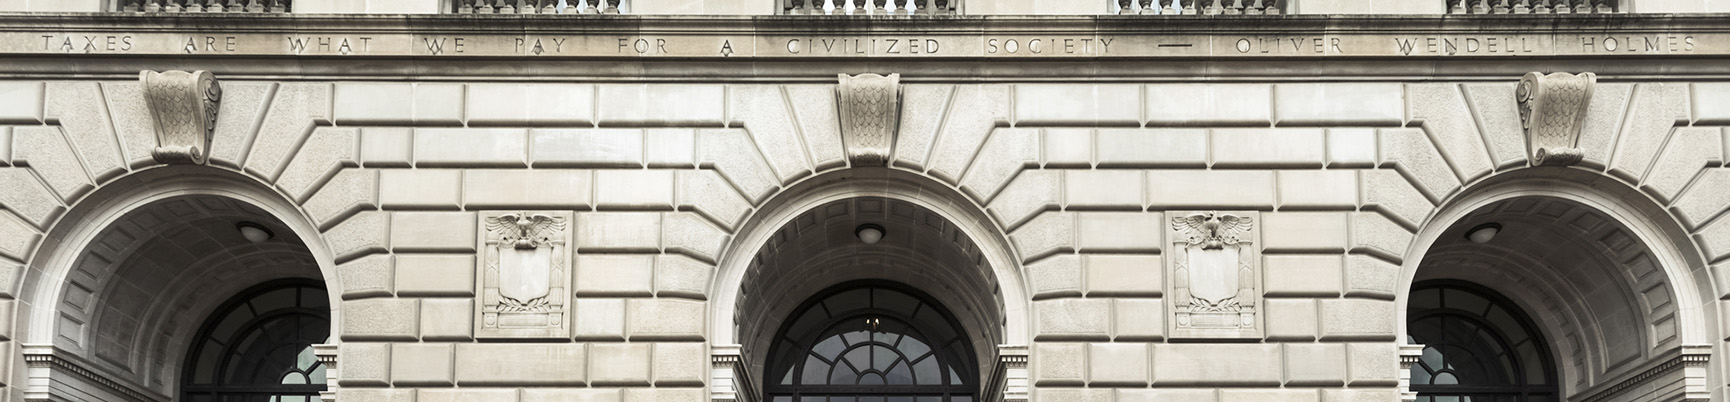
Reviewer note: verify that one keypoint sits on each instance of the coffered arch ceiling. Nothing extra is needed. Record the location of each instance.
(819, 248)
(145, 283)
(1596, 290)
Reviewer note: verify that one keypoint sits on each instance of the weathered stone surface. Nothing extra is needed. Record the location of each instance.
(1442, 108)
(1077, 104)
(612, 147)
(1103, 189)
(1318, 189)
(1005, 153)
(421, 364)
(1072, 319)
(538, 188)
(618, 231)
(1030, 193)
(1351, 147)
(600, 319)
(1216, 364)
(1167, 395)
(1303, 232)
(364, 233)
(1058, 276)
(1377, 104)
(814, 106)
(242, 109)
(681, 276)
(666, 394)
(1125, 275)
(467, 394)
(615, 275)
(438, 103)
(1711, 103)
(662, 105)
(1318, 364)
(1073, 394)
(1374, 234)
(633, 189)
(375, 394)
(380, 319)
(386, 146)
(1690, 150)
(532, 104)
(1046, 234)
(404, 189)
(709, 195)
(1604, 120)
(664, 319)
(1412, 154)
(45, 151)
(364, 363)
(290, 118)
(25, 195)
(1267, 395)
(621, 364)
(17, 238)
(1209, 104)
(1357, 319)
(681, 364)
(670, 147)
(736, 157)
(1705, 199)
(348, 192)
(1138, 320)
(572, 395)
(87, 125)
(923, 110)
(521, 364)
(1291, 320)
(973, 114)
(1372, 364)
(1303, 275)
(764, 110)
(1067, 148)
(1370, 277)
(1117, 364)
(1152, 148)
(363, 103)
(435, 275)
(1210, 189)
(325, 152)
(368, 276)
(1498, 117)
(1059, 363)
(132, 122)
(1390, 193)
(1359, 395)
(433, 231)
(447, 319)
(1269, 148)
(689, 234)
(1656, 109)
(495, 147)
(21, 102)
(1119, 232)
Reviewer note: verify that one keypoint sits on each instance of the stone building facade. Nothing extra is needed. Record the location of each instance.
(787, 201)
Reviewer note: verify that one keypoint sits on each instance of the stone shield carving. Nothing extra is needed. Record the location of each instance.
(524, 273)
(870, 116)
(1214, 271)
(1553, 111)
(183, 106)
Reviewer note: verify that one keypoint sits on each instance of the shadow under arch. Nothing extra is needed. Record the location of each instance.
(46, 283)
(969, 219)
(1678, 260)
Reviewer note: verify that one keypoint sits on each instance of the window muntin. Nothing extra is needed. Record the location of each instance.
(258, 347)
(1478, 346)
(871, 343)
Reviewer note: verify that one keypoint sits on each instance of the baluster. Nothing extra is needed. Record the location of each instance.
(278, 6)
(507, 6)
(1273, 7)
(485, 8)
(132, 6)
(816, 7)
(1521, 7)
(173, 6)
(1211, 7)
(465, 7)
(152, 6)
(1166, 7)
(1123, 7)
(880, 7)
(943, 8)
(1147, 7)
(193, 6)
(213, 6)
(612, 7)
(530, 7)
(1456, 6)
(1496, 6)
(1234, 7)
(924, 7)
(1606, 6)
(903, 7)
(1541, 7)
(1252, 7)
(1562, 7)
(254, 6)
(234, 6)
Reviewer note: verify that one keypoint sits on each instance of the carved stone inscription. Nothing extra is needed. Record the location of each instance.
(524, 272)
(1214, 267)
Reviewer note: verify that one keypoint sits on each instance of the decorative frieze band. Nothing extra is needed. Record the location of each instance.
(870, 116)
(1553, 111)
(183, 106)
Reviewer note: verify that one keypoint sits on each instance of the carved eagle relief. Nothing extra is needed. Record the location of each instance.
(524, 248)
(1212, 230)
(1212, 271)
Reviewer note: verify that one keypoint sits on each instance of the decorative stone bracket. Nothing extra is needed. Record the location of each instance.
(326, 354)
(1553, 111)
(183, 106)
(870, 116)
(730, 379)
(1409, 355)
(1009, 379)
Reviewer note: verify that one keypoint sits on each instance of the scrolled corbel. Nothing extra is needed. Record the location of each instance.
(870, 116)
(1553, 112)
(183, 106)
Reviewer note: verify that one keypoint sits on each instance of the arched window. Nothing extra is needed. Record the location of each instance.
(1478, 347)
(871, 342)
(258, 347)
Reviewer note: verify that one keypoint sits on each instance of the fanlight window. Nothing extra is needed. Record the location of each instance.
(258, 347)
(871, 343)
(1478, 347)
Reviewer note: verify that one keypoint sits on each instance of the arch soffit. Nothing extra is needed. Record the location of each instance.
(56, 256)
(1679, 257)
(912, 187)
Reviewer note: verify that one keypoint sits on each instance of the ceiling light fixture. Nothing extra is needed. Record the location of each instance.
(869, 233)
(253, 232)
(1483, 233)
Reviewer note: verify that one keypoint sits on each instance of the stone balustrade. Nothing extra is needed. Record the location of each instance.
(538, 6)
(206, 6)
(1203, 7)
(1533, 6)
(871, 7)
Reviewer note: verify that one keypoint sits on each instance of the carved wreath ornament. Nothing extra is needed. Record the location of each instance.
(183, 106)
(524, 273)
(1214, 262)
(1553, 111)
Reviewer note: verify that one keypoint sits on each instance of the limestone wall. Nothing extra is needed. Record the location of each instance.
(975, 7)
(661, 177)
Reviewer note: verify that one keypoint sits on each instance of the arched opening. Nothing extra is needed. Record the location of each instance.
(871, 340)
(1478, 345)
(258, 346)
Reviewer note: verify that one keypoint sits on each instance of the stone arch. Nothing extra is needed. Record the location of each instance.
(942, 204)
(1602, 213)
(215, 194)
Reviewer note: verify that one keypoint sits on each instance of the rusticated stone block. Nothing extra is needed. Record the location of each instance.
(44, 150)
(467, 395)
(1303, 275)
(1073, 394)
(1058, 276)
(1390, 193)
(364, 233)
(663, 105)
(1167, 395)
(1268, 147)
(328, 150)
(1351, 147)
(681, 364)
(572, 395)
(664, 319)
(243, 105)
(1210, 189)
(1357, 319)
(1125, 275)
(1117, 364)
(1291, 319)
(974, 112)
(691, 235)
(347, 193)
(670, 148)
(1031, 192)
(1315, 364)
(26, 196)
(1268, 395)
(819, 123)
(680, 276)
(386, 146)
(735, 156)
(1442, 108)
(600, 319)
(432, 231)
(706, 193)
(1338, 104)
(1374, 234)
(634, 189)
(666, 395)
(435, 275)
(1209, 104)
(291, 116)
(1118, 232)
(88, 127)
(624, 364)
(521, 364)
(1318, 189)
(1217, 364)
(1073, 319)
(1152, 148)
(1304, 231)
(380, 319)
(608, 147)
(499, 147)
(618, 231)
(364, 363)
(1412, 153)
(447, 319)
(1138, 319)
(765, 114)
(1103, 189)
(540, 104)
(1690, 150)
(1005, 152)
(375, 394)
(614, 275)
(403, 189)
(1372, 364)
(1656, 109)
(1370, 277)
(420, 364)
(1073, 104)
(1046, 234)
(368, 276)
(1068, 148)
(539, 188)
(1059, 363)
(21, 102)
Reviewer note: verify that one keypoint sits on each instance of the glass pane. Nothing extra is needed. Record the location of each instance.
(293, 378)
(926, 372)
(783, 399)
(816, 372)
(901, 374)
(843, 375)
(318, 375)
(882, 357)
(955, 378)
(1445, 379)
(830, 348)
(913, 348)
(857, 337)
(871, 379)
